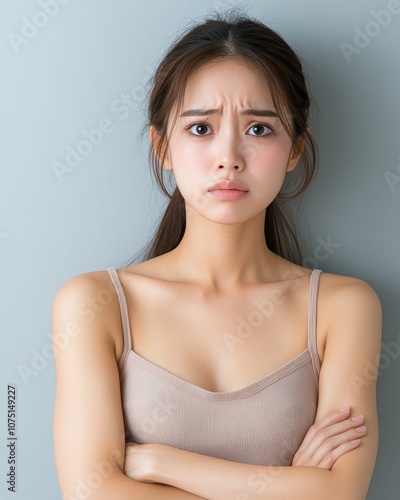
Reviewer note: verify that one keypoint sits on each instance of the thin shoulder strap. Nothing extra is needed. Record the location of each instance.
(312, 321)
(126, 331)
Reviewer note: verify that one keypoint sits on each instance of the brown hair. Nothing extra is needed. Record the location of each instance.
(233, 35)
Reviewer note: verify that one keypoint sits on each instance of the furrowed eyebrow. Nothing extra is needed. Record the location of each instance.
(259, 112)
(245, 112)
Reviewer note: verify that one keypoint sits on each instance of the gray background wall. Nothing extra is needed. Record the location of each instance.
(68, 71)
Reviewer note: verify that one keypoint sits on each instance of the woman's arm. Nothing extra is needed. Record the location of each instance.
(88, 431)
(347, 378)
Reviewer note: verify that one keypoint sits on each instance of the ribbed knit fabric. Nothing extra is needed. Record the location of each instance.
(263, 423)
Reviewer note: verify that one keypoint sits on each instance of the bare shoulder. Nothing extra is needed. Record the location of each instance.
(348, 291)
(88, 300)
(344, 290)
(81, 283)
(87, 289)
(351, 306)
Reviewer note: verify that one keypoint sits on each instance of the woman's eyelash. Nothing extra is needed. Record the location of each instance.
(264, 124)
(197, 123)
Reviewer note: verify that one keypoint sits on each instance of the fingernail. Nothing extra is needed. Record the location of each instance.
(358, 418)
(355, 441)
(362, 428)
(346, 408)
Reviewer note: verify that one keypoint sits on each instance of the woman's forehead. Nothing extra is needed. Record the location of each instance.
(226, 83)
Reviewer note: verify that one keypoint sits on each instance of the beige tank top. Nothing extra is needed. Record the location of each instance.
(263, 423)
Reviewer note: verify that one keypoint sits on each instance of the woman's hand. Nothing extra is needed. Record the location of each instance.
(139, 461)
(328, 439)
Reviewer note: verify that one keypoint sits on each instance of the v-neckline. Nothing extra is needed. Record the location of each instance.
(304, 357)
(271, 377)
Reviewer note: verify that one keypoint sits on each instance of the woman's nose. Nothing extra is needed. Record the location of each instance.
(226, 166)
(229, 154)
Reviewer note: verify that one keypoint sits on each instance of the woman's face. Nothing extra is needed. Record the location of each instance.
(227, 129)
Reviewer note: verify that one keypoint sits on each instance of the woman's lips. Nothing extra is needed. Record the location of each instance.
(228, 194)
(229, 184)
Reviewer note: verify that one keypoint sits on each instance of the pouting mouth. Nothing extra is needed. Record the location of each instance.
(229, 185)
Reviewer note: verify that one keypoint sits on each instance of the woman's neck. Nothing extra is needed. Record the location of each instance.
(224, 256)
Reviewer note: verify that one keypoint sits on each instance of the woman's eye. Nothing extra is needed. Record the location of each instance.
(199, 129)
(260, 130)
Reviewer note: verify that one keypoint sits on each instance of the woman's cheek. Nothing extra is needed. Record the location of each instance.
(190, 179)
(274, 159)
(272, 155)
(270, 171)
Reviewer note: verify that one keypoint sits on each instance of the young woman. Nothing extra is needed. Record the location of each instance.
(207, 370)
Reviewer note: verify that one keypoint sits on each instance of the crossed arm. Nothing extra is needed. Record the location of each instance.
(90, 451)
(218, 479)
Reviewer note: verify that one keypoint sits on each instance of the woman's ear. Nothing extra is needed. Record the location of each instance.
(155, 140)
(297, 149)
